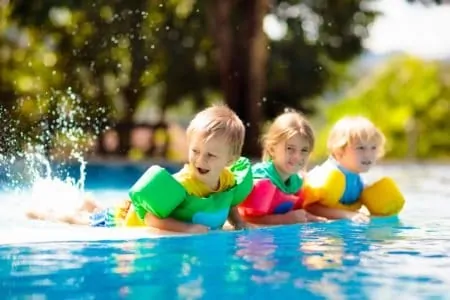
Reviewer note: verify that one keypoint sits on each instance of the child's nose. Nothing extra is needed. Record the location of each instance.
(202, 159)
(301, 155)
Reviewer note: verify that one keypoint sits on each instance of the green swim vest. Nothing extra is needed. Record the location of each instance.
(158, 192)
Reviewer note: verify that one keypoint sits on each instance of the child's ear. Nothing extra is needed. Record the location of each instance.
(232, 160)
(271, 152)
(338, 153)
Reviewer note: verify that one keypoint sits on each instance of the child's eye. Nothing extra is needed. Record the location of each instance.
(360, 147)
(305, 150)
(374, 147)
(195, 151)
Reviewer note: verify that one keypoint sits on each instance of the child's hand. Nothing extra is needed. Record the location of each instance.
(197, 228)
(302, 216)
(244, 225)
(298, 216)
(358, 217)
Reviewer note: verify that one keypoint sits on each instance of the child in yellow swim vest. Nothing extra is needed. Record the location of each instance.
(335, 189)
(277, 197)
(200, 197)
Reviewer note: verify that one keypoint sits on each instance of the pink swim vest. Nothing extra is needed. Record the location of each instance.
(266, 199)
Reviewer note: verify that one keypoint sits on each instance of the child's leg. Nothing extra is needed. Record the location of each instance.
(80, 218)
(75, 218)
(78, 215)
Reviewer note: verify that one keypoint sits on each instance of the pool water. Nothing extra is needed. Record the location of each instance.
(404, 258)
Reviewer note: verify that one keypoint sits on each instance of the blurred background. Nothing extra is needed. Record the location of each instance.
(120, 80)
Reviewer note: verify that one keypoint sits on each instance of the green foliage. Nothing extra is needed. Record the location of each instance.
(105, 48)
(110, 52)
(322, 37)
(123, 55)
(409, 99)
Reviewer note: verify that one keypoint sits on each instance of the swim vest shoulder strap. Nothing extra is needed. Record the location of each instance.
(156, 191)
(242, 171)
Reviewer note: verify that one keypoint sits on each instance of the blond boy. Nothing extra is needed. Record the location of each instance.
(200, 197)
(336, 190)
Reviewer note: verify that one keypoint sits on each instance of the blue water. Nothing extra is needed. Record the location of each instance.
(405, 258)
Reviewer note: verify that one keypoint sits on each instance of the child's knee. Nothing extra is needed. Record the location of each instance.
(74, 219)
(89, 204)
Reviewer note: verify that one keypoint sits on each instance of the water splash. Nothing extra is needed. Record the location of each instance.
(62, 136)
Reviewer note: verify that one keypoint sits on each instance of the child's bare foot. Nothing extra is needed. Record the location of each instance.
(36, 215)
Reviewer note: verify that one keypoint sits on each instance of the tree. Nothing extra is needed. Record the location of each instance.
(409, 100)
(111, 52)
(300, 65)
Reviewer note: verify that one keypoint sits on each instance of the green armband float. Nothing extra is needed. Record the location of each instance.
(244, 179)
(156, 192)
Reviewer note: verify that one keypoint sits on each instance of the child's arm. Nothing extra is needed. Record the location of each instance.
(336, 213)
(171, 224)
(236, 221)
(292, 217)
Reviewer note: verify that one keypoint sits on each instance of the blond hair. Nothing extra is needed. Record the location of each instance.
(219, 120)
(284, 127)
(351, 129)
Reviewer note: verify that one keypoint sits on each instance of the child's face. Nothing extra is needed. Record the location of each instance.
(209, 158)
(358, 156)
(291, 156)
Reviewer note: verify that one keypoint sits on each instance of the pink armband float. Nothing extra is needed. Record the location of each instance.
(267, 199)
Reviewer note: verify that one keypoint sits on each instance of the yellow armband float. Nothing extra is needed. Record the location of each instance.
(383, 198)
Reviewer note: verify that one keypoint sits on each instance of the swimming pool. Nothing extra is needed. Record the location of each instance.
(405, 258)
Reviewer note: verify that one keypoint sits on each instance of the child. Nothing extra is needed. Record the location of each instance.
(199, 197)
(335, 189)
(276, 197)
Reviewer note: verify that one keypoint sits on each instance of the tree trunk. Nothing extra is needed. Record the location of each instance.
(242, 57)
(134, 91)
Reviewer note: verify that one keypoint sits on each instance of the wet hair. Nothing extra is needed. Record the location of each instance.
(219, 120)
(351, 129)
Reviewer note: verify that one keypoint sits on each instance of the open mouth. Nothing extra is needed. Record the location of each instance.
(366, 163)
(295, 165)
(202, 171)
